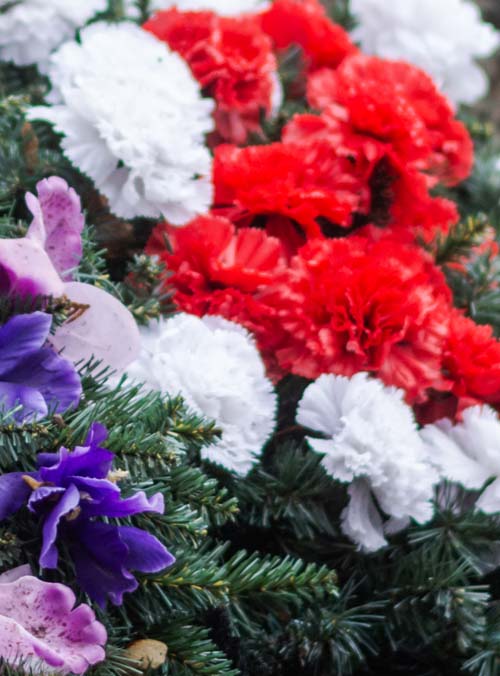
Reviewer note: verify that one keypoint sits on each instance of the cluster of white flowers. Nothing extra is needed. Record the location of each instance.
(134, 121)
(215, 365)
(370, 440)
(30, 30)
(222, 7)
(443, 37)
(469, 453)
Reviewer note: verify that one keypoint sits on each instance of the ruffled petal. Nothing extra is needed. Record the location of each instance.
(489, 500)
(146, 553)
(20, 335)
(55, 378)
(361, 521)
(100, 557)
(68, 502)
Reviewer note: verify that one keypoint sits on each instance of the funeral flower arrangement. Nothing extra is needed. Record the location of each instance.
(249, 339)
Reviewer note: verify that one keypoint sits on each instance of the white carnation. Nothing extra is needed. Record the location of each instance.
(30, 30)
(134, 121)
(443, 37)
(370, 440)
(215, 365)
(222, 7)
(469, 453)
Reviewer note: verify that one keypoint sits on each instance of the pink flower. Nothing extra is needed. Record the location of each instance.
(41, 628)
(38, 264)
(57, 223)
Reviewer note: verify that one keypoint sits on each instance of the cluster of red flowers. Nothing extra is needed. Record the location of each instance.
(232, 59)
(314, 242)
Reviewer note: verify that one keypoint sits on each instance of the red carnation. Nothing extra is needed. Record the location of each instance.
(350, 305)
(305, 23)
(399, 193)
(216, 270)
(397, 104)
(472, 361)
(302, 183)
(231, 58)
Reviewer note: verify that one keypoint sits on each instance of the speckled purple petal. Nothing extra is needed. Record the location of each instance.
(57, 223)
(39, 624)
(106, 331)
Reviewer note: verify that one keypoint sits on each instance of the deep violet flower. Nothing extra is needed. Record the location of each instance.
(32, 376)
(40, 264)
(69, 492)
(41, 628)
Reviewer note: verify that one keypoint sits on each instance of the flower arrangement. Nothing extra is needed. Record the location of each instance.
(249, 339)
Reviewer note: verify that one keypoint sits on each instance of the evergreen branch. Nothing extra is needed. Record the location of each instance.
(117, 664)
(486, 661)
(293, 492)
(248, 584)
(339, 638)
(467, 234)
(191, 652)
(191, 485)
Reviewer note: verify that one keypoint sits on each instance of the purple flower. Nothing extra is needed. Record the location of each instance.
(32, 376)
(57, 223)
(69, 492)
(41, 628)
(33, 265)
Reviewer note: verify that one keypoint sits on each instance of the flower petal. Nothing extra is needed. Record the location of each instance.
(29, 399)
(361, 521)
(14, 493)
(55, 378)
(68, 502)
(48, 627)
(489, 501)
(108, 502)
(25, 269)
(22, 334)
(83, 461)
(146, 553)
(15, 573)
(58, 223)
(100, 556)
(95, 333)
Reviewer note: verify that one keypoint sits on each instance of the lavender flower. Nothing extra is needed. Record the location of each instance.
(41, 628)
(40, 264)
(32, 376)
(57, 223)
(69, 492)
